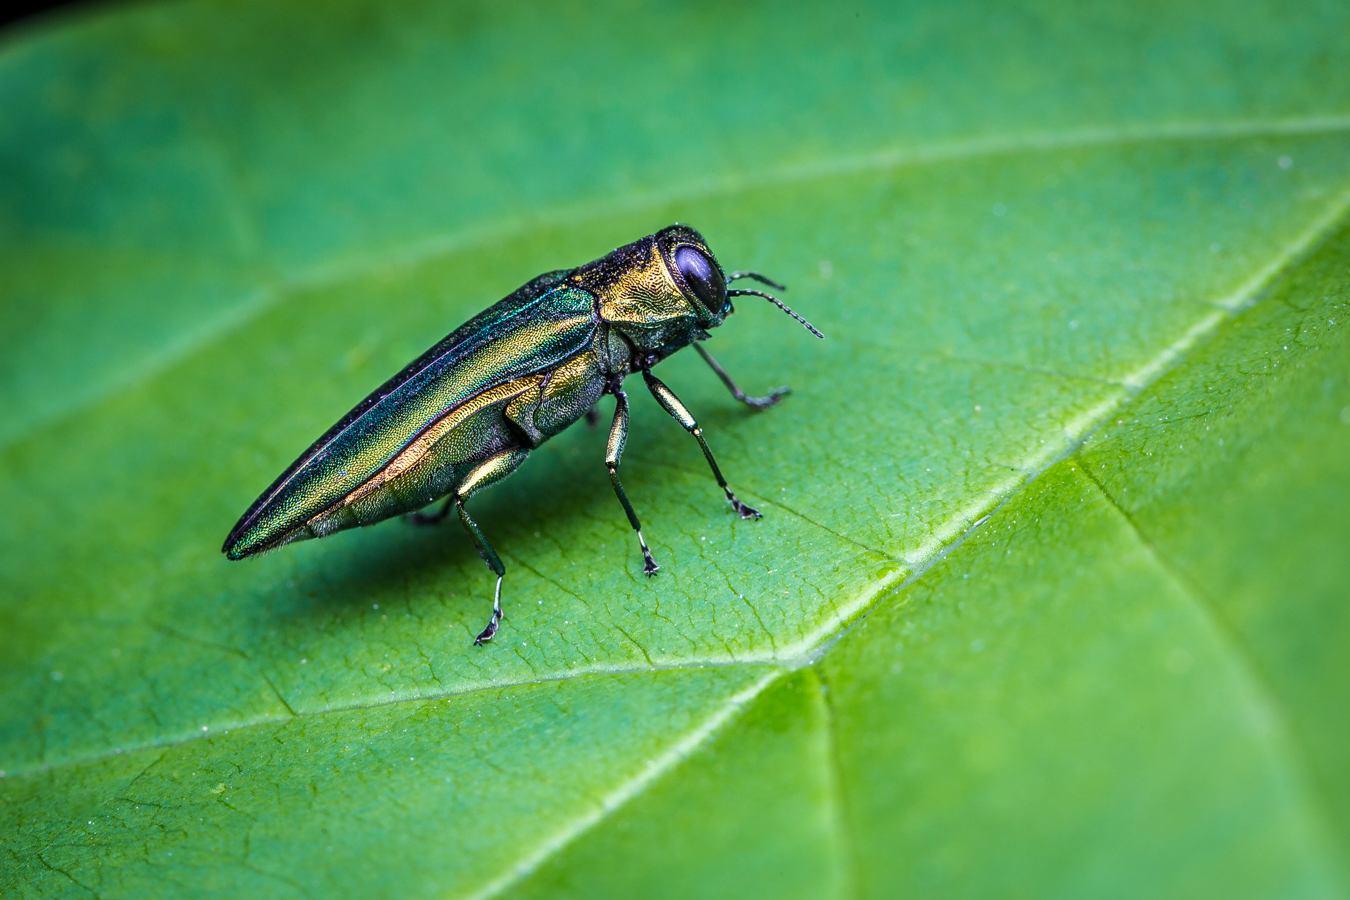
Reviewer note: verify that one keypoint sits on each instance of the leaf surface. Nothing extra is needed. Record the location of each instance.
(1015, 621)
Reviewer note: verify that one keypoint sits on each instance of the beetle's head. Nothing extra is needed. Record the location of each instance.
(703, 282)
(696, 272)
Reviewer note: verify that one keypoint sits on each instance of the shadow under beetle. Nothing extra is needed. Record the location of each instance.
(466, 413)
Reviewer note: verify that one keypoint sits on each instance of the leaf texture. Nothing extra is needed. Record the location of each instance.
(1047, 599)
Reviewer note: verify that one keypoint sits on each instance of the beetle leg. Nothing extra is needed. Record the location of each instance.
(753, 402)
(488, 472)
(618, 436)
(593, 417)
(432, 518)
(681, 414)
(494, 563)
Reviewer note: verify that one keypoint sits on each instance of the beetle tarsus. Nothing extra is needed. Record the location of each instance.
(649, 566)
(487, 633)
(742, 510)
(765, 402)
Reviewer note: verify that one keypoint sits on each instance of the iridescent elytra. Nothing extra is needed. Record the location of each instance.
(466, 413)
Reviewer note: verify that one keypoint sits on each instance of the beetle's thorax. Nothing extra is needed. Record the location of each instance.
(639, 302)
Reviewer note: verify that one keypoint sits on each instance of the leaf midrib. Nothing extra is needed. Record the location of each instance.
(813, 648)
(947, 539)
(952, 533)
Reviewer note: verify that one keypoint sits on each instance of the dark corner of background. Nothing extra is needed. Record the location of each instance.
(24, 12)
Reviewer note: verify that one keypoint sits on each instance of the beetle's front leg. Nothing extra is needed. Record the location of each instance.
(753, 402)
(618, 437)
(681, 414)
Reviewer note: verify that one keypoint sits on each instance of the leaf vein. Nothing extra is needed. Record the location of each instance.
(437, 247)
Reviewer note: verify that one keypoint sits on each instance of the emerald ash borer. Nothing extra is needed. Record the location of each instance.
(466, 413)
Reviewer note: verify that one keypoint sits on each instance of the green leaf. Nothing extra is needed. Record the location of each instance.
(1048, 596)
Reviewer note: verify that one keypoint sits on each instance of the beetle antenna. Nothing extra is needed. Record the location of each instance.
(758, 277)
(778, 303)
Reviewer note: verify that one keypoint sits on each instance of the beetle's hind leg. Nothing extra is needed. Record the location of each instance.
(753, 402)
(488, 472)
(494, 563)
(671, 404)
(618, 437)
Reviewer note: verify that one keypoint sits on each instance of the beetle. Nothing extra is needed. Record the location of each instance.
(466, 413)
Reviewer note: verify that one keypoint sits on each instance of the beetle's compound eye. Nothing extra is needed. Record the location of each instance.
(704, 278)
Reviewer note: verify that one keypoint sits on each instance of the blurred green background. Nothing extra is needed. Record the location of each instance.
(1050, 596)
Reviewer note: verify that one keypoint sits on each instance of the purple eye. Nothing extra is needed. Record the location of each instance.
(704, 278)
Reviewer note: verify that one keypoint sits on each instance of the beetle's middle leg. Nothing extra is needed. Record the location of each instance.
(666, 397)
(618, 437)
(490, 471)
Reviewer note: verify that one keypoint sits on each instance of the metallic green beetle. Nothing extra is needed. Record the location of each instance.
(467, 412)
